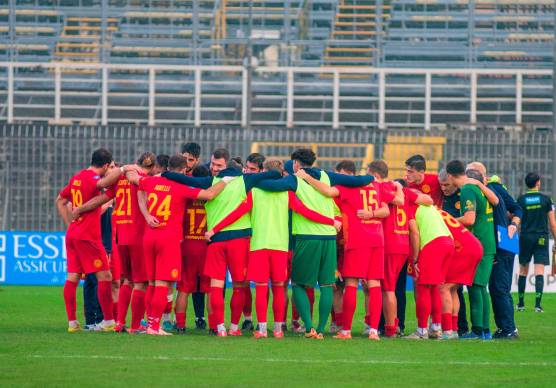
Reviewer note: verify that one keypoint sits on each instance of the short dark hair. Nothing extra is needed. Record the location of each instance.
(274, 164)
(200, 171)
(177, 162)
(235, 164)
(455, 168)
(346, 165)
(417, 162)
(101, 157)
(304, 156)
(475, 174)
(257, 159)
(193, 149)
(401, 181)
(531, 179)
(147, 159)
(379, 167)
(238, 160)
(221, 153)
(162, 161)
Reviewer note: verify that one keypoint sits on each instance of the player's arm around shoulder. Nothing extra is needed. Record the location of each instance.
(216, 189)
(321, 187)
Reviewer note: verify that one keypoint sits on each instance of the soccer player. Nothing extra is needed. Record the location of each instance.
(193, 253)
(83, 240)
(230, 247)
(418, 178)
(538, 214)
(432, 253)
(269, 245)
(161, 164)
(314, 259)
(477, 215)
(363, 208)
(162, 203)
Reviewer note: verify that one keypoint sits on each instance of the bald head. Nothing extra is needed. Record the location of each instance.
(477, 166)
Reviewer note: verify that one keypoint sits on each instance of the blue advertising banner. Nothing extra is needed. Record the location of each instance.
(33, 258)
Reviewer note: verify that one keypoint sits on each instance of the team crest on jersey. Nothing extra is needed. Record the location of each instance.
(469, 205)
(97, 263)
(426, 189)
(174, 273)
(457, 205)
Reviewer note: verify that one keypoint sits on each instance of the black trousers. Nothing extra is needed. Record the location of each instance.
(499, 286)
(463, 326)
(93, 312)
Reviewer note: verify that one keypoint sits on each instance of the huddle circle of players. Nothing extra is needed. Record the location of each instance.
(179, 222)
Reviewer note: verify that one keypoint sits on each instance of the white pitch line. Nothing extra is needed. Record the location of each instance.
(297, 361)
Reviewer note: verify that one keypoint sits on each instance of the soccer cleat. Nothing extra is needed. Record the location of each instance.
(93, 327)
(539, 309)
(167, 325)
(366, 330)
(221, 333)
(234, 333)
(180, 330)
(120, 328)
(200, 323)
(75, 328)
(144, 323)
(258, 335)
(435, 334)
(107, 328)
(278, 334)
(247, 325)
(319, 336)
(284, 327)
(160, 331)
(140, 330)
(311, 334)
(334, 328)
(471, 336)
(448, 336)
(487, 336)
(342, 336)
(520, 308)
(417, 336)
(373, 336)
(297, 327)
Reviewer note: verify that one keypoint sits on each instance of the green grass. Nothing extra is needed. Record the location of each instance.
(36, 350)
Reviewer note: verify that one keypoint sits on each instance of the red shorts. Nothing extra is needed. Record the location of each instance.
(233, 254)
(193, 256)
(364, 263)
(434, 261)
(393, 265)
(86, 256)
(267, 263)
(162, 258)
(464, 263)
(133, 263)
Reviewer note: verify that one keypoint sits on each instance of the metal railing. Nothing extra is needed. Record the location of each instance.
(280, 96)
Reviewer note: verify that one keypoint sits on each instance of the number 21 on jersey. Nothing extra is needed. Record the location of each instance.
(160, 210)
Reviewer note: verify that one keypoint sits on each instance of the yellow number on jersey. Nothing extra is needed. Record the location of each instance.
(76, 197)
(451, 221)
(401, 217)
(163, 210)
(488, 209)
(121, 199)
(192, 213)
(370, 202)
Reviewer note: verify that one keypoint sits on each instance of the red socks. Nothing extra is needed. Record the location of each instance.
(295, 313)
(389, 331)
(455, 326)
(216, 300)
(168, 308)
(115, 310)
(159, 301)
(248, 300)
(70, 290)
(124, 297)
(149, 300)
(339, 319)
(278, 303)
(104, 294)
(436, 305)
(137, 308)
(180, 320)
(375, 306)
(423, 306)
(311, 296)
(349, 303)
(261, 302)
(237, 303)
(446, 321)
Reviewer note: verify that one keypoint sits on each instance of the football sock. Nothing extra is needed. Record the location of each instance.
(476, 307)
(539, 285)
(234, 327)
(180, 320)
(278, 327)
(237, 304)
(262, 327)
(325, 305)
(168, 307)
(436, 306)
(278, 303)
(217, 305)
(423, 306)
(124, 297)
(70, 299)
(302, 304)
(104, 293)
(248, 303)
(339, 319)
(149, 300)
(375, 306)
(349, 303)
(199, 304)
(311, 295)
(455, 323)
(446, 321)
(137, 308)
(486, 310)
(521, 288)
(367, 319)
(159, 302)
(389, 331)
(261, 302)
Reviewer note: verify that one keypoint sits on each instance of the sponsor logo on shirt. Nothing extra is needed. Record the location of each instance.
(533, 200)
(426, 189)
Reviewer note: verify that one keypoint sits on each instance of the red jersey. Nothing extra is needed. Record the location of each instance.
(396, 225)
(195, 220)
(166, 201)
(127, 216)
(464, 240)
(361, 233)
(81, 188)
(430, 186)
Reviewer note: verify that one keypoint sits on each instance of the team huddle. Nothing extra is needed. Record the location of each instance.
(181, 224)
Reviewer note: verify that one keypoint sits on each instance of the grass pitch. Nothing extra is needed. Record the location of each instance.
(36, 350)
